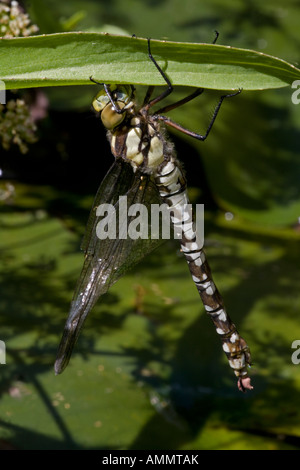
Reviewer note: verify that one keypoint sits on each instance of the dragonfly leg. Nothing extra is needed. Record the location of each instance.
(107, 89)
(148, 95)
(165, 93)
(182, 129)
(95, 81)
(147, 103)
(116, 108)
(188, 98)
(169, 84)
(216, 36)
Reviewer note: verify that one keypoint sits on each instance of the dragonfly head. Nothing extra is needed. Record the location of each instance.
(122, 96)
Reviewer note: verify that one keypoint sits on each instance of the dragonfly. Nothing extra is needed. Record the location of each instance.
(146, 170)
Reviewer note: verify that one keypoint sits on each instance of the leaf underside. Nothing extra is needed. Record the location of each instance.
(71, 58)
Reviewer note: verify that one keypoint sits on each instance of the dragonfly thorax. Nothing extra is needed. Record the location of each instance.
(139, 142)
(134, 135)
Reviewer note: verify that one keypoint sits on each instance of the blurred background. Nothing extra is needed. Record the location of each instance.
(148, 371)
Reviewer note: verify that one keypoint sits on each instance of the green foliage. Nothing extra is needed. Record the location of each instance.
(49, 60)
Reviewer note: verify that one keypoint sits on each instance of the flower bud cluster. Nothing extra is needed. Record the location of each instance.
(14, 22)
(16, 125)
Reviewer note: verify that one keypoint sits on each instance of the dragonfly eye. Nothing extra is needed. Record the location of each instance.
(110, 118)
(120, 94)
(123, 93)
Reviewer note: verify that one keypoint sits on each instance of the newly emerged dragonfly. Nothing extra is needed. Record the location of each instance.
(147, 171)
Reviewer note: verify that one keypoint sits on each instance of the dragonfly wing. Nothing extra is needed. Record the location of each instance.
(117, 181)
(106, 260)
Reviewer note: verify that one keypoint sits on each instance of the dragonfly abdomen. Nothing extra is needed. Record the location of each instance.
(171, 184)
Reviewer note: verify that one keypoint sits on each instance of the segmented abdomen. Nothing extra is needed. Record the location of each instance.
(171, 184)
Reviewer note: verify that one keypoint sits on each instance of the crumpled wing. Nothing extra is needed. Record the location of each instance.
(109, 259)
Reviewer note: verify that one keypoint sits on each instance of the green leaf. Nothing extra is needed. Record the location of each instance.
(71, 58)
